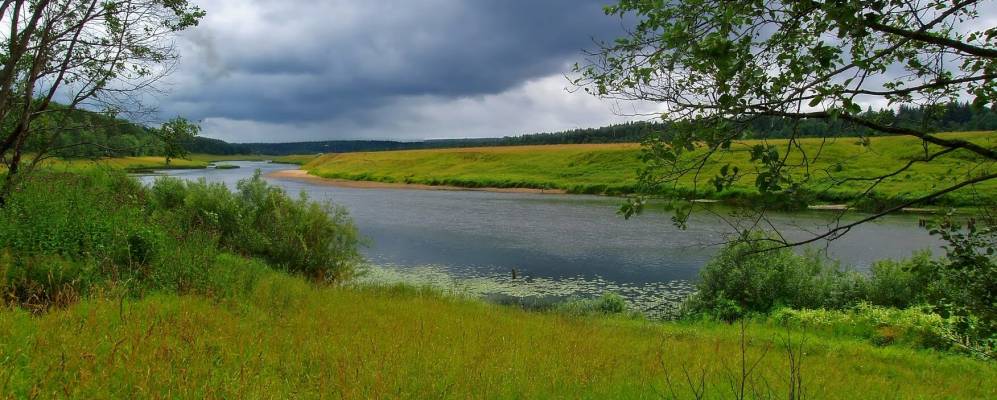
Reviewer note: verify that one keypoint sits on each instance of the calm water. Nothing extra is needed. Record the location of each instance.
(562, 245)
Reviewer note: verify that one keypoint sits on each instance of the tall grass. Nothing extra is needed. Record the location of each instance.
(65, 235)
(288, 338)
(744, 280)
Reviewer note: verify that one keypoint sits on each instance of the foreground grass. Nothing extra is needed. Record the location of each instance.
(611, 168)
(287, 338)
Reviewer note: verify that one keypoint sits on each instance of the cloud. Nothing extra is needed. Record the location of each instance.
(292, 70)
(540, 104)
(314, 70)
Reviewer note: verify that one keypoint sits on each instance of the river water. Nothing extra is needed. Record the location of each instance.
(559, 245)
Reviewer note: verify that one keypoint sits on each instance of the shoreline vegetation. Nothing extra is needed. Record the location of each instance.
(303, 175)
(609, 169)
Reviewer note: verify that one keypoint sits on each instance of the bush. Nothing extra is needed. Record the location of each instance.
(63, 235)
(899, 283)
(297, 235)
(608, 303)
(36, 281)
(740, 280)
(916, 326)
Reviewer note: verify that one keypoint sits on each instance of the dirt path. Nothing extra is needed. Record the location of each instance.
(302, 175)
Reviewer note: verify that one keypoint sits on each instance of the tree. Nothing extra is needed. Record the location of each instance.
(176, 134)
(716, 67)
(95, 54)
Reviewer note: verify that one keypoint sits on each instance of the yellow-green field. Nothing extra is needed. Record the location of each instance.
(290, 339)
(611, 168)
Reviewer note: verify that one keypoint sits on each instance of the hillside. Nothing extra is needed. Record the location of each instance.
(611, 168)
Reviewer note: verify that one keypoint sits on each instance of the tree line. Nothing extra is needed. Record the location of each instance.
(85, 134)
(953, 116)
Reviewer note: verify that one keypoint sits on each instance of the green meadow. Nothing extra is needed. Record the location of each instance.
(282, 337)
(611, 168)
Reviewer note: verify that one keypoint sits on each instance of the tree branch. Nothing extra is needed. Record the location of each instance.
(956, 143)
(840, 230)
(938, 40)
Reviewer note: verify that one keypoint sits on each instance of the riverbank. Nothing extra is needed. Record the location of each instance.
(305, 176)
(612, 168)
(302, 175)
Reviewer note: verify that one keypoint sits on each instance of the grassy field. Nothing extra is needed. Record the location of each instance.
(611, 168)
(290, 339)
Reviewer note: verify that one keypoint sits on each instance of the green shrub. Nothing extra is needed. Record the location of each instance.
(259, 220)
(608, 303)
(63, 234)
(233, 277)
(740, 280)
(315, 239)
(915, 326)
(37, 281)
(899, 283)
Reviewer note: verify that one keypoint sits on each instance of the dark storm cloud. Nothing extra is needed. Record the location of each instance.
(291, 70)
(303, 61)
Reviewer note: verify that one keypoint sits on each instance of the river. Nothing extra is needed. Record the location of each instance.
(559, 245)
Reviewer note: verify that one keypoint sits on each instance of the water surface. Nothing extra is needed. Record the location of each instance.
(559, 245)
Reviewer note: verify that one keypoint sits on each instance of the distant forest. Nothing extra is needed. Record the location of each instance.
(87, 134)
(950, 117)
(75, 133)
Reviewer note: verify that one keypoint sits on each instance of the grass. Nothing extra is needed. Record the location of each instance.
(287, 338)
(611, 168)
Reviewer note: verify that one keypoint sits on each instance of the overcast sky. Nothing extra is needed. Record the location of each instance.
(294, 70)
(298, 70)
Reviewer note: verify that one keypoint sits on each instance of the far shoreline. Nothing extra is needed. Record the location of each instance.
(302, 175)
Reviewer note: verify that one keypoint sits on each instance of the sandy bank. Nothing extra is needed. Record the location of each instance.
(302, 175)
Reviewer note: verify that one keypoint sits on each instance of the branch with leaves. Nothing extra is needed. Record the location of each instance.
(717, 66)
(82, 53)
